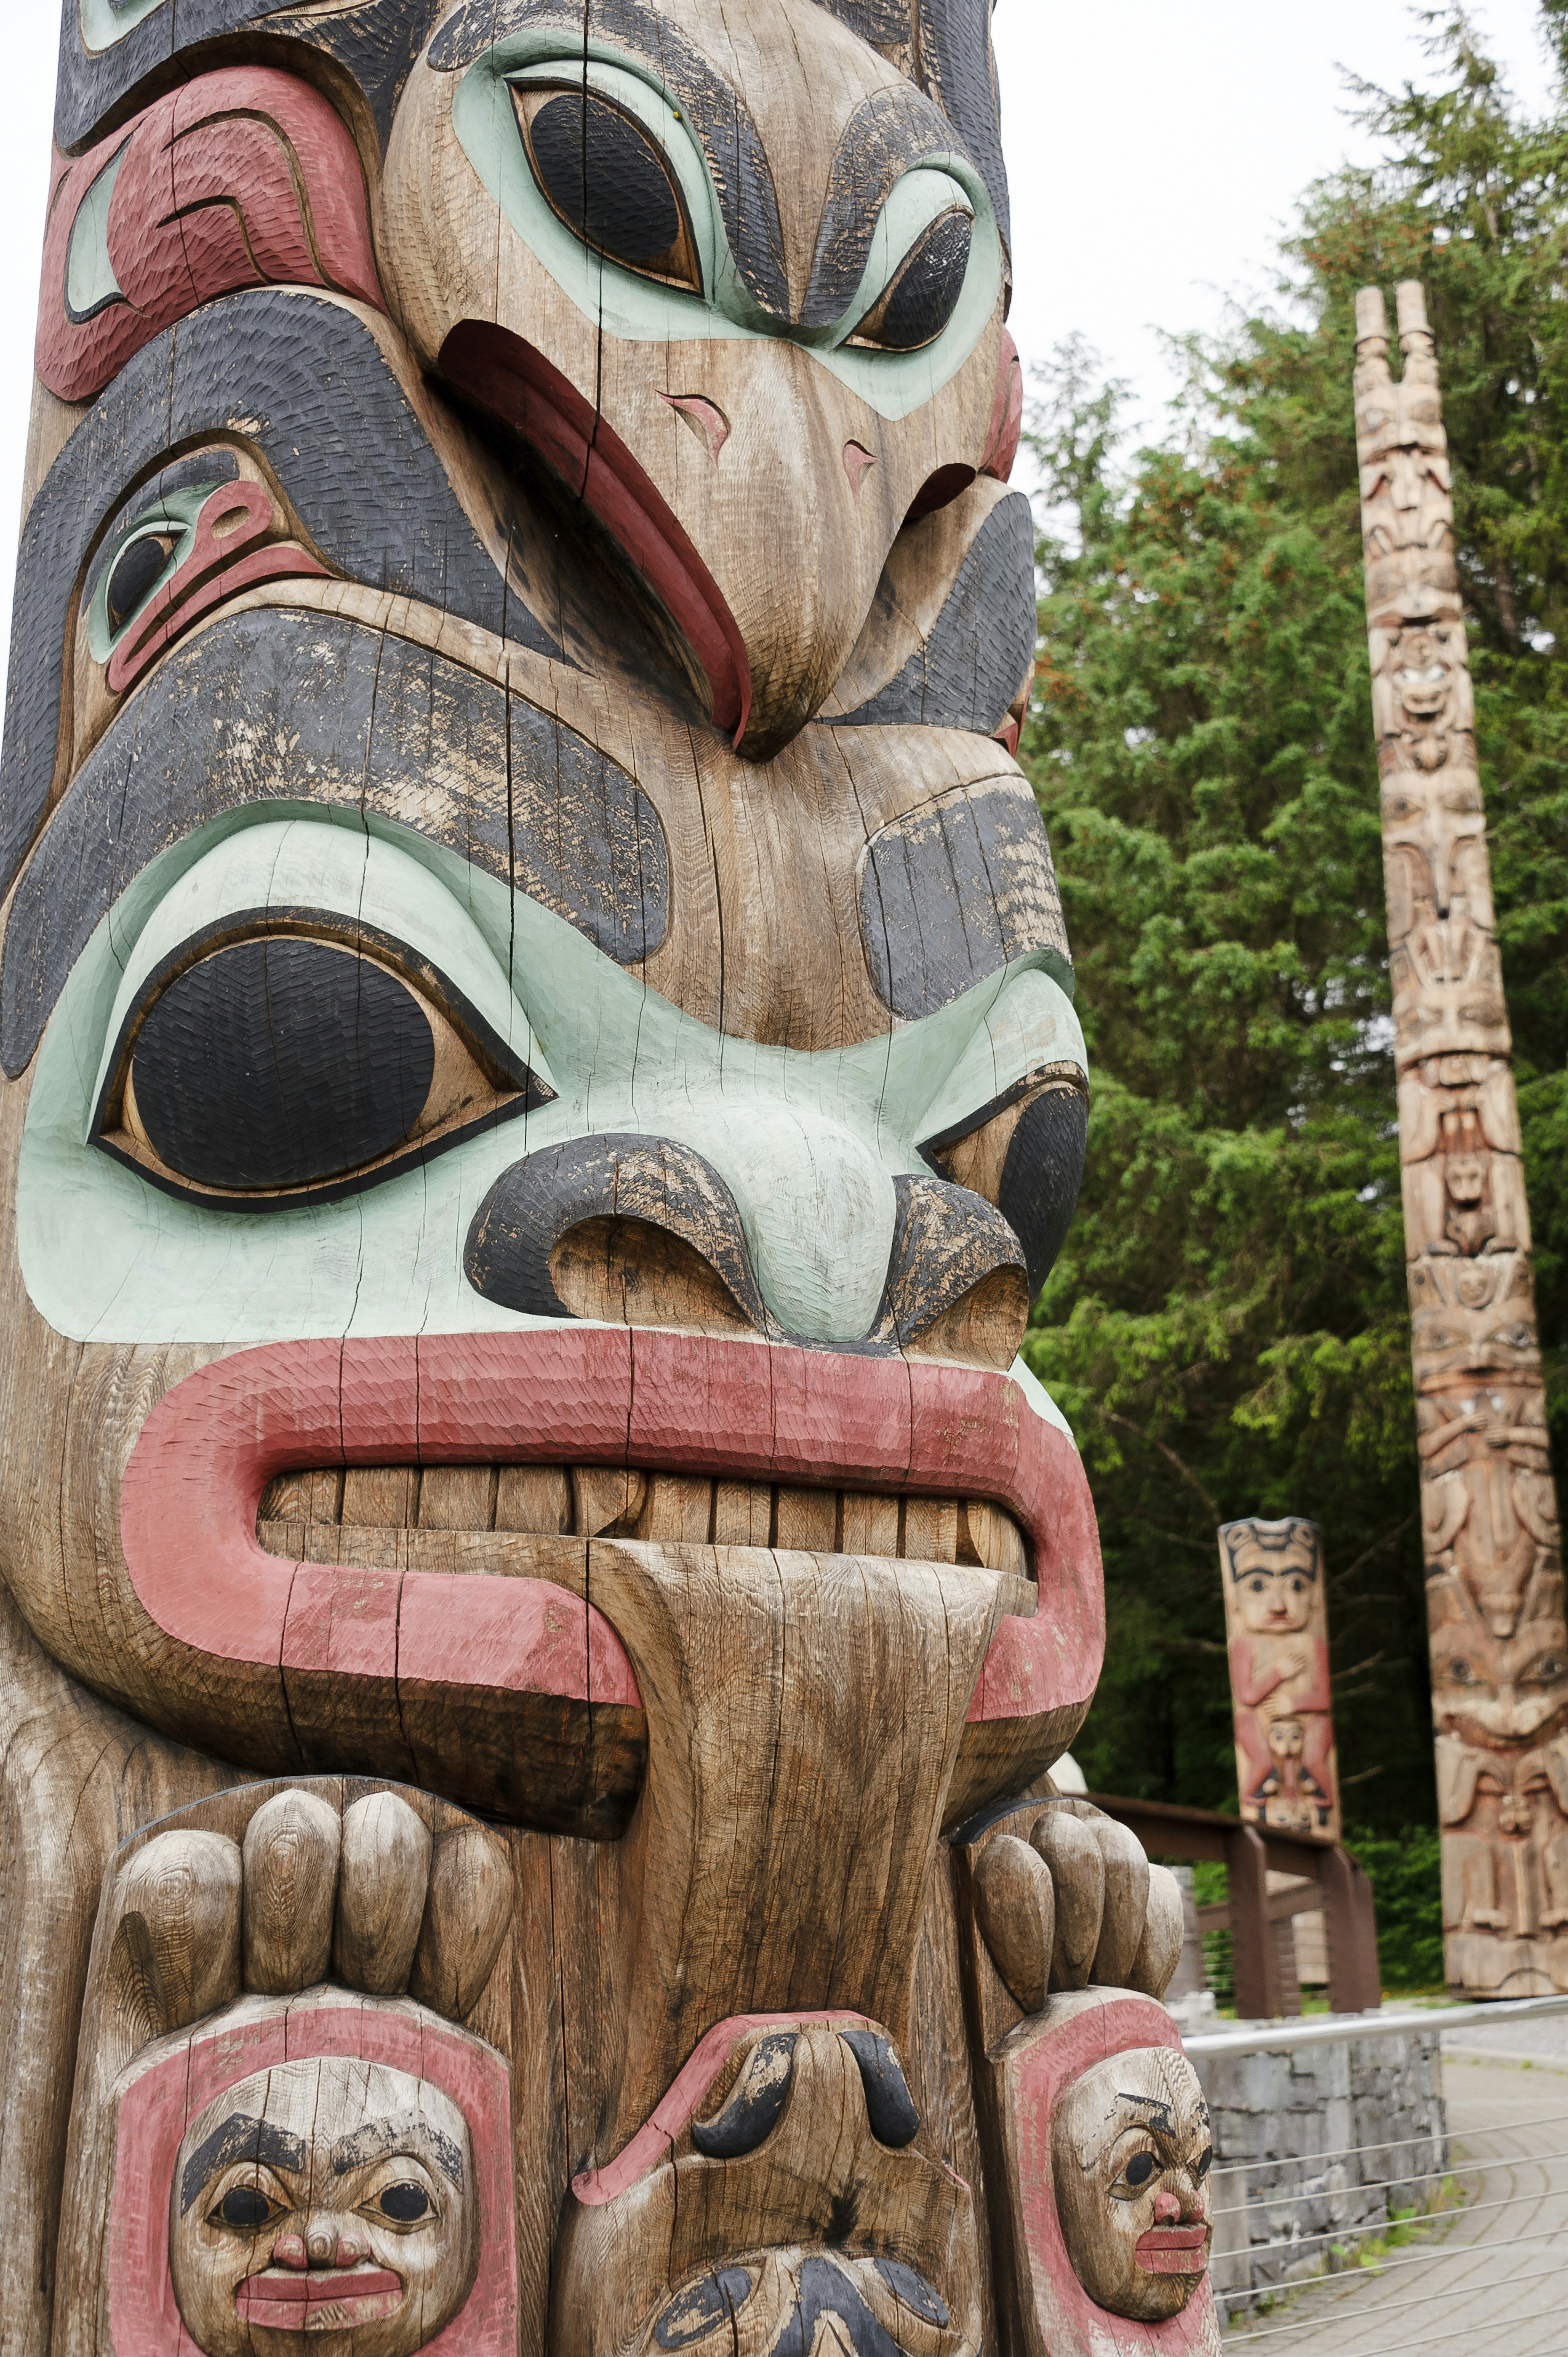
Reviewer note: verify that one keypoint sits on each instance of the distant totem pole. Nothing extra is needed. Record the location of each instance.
(1499, 1654)
(1276, 1623)
(537, 1602)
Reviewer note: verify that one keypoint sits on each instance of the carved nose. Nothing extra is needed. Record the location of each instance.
(804, 1235)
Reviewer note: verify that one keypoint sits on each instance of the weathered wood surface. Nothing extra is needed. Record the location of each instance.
(1500, 1647)
(539, 1083)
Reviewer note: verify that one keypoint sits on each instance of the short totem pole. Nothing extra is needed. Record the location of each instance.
(1276, 1621)
(540, 1081)
(1499, 1654)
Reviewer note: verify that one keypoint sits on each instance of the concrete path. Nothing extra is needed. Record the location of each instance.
(1491, 2283)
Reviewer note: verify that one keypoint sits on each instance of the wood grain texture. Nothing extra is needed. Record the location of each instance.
(1488, 1505)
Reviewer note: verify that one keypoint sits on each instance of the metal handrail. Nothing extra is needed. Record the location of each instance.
(1330, 2028)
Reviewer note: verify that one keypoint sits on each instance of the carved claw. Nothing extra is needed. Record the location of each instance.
(1069, 1899)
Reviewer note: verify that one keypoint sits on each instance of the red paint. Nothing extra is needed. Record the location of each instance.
(1006, 414)
(857, 463)
(144, 2318)
(293, 2303)
(243, 177)
(1070, 2323)
(578, 1395)
(517, 383)
(1173, 2250)
(705, 418)
(1008, 735)
(224, 559)
(655, 2140)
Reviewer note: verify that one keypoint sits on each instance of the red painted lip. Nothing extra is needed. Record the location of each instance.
(1173, 2250)
(299, 2288)
(517, 383)
(583, 1395)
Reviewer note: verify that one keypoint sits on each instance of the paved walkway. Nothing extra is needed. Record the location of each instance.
(1488, 2284)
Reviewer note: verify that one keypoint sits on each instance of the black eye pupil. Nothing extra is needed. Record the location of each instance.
(281, 1063)
(924, 296)
(606, 179)
(405, 2203)
(245, 2205)
(1140, 2168)
(136, 575)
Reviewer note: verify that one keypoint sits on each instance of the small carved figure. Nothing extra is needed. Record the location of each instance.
(1434, 848)
(1277, 1616)
(1422, 698)
(1131, 2150)
(332, 2199)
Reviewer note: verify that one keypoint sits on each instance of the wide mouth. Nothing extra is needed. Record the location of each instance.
(486, 1518)
(1173, 2250)
(290, 2299)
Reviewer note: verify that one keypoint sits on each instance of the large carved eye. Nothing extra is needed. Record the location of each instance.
(924, 296)
(275, 1069)
(136, 572)
(405, 2203)
(1140, 2168)
(608, 179)
(246, 2207)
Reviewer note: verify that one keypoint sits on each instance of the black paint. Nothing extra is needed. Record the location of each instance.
(889, 2107)
(914, 2291)
(137, 573)
(281, 1063)
(608, 181)
(1042, 1174)
(955, 51)
(717, 115)
(698, 2311)
(616, 1176)
(752, 2113)
(883, 23)
(297, 707)
(888, 135)
(377, 45)
(952, 893)
(321, 402)
(924, 296)
(972, 667)
(238, 2138)
(946, 1241)
(825, 2291)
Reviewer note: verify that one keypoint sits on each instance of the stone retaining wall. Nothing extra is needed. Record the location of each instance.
(1312, 2143)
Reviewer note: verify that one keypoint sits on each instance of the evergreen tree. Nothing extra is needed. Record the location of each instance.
(1228, 1326)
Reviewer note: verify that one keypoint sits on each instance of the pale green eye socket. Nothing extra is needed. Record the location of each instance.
(146, 553)
(603, 173)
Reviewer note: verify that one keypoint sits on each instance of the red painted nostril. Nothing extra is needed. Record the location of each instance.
(1167, 2209)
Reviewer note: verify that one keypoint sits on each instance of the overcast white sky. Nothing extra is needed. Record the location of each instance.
(1156, 148)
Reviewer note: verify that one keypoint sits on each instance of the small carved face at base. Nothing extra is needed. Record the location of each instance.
(330, 2202)
(1131, 2153)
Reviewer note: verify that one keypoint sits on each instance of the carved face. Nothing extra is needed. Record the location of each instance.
(1491, 1690)
(327, 2203)
(1275, 1594)
(1131, 2152)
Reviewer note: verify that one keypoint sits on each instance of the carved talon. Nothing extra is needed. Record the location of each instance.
(1075, 1903)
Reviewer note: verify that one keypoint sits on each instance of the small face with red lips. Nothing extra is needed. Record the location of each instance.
(329, 2203)
(1131, 2151)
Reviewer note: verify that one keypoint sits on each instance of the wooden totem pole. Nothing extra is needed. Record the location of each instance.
(1276, 1621)
(540, 1081)
(1499, 1654)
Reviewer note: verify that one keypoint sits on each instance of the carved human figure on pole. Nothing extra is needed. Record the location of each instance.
(1488, 1505)
(540, 1083)
(1277, 1618)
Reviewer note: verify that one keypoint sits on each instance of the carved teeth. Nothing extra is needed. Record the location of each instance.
(379, 1513)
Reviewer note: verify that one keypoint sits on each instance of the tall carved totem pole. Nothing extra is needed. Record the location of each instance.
(1499, 1653)
(540, 1081)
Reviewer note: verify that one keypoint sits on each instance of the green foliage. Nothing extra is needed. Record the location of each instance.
(1228, 1326)
(1403, 1871)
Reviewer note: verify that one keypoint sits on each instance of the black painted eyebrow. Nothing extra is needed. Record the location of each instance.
(238, 2138)
(372, 2139)
(1167, 2122)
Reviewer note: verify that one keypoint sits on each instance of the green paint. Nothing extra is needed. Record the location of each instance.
(103, 26)
(89, 278)
(810, 1143)
(177, 515)
(620, 303)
